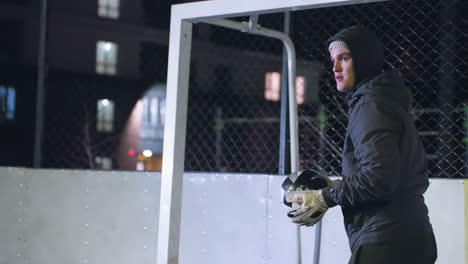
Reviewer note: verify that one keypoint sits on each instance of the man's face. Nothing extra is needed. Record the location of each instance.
(343, 69)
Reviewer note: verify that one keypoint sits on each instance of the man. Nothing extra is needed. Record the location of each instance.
(384, 163)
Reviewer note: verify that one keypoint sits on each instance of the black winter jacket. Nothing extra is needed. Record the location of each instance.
(384, 162)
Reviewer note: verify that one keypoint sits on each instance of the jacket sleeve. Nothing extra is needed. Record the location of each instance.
(374, 131)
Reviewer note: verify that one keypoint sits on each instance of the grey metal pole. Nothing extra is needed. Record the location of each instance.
(218, 127)
(284, 163)
(40, 98)
(284, 104)
(318, 226)
(318, 238)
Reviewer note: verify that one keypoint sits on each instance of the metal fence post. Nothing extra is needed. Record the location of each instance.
(41, 75)
(284, 163)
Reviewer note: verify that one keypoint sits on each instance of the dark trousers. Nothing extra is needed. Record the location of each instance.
(411, 251)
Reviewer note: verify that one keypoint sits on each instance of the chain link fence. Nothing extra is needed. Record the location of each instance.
(232, 127)
(234, 99)
(425, 41)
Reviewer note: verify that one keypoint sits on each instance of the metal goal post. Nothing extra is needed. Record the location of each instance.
(180, 39)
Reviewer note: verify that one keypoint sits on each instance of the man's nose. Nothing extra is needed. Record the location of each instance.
(336, 66)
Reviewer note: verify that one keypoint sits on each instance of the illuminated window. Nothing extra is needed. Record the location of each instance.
(105, 115)
(106, 57)
(7, 103)
(104, 163)
(146, 111)
(162, 111)
(154, 110)
(300, 89)
(273, 87)
(108, 8)
(154, 113)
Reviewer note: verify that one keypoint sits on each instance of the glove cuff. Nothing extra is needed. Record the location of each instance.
(321, 198)
(326, 197)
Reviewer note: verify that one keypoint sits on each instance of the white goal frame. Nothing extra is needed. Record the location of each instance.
(180, 40)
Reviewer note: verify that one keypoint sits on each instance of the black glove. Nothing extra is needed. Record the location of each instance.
(307, 180)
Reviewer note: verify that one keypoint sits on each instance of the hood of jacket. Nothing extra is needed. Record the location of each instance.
(389, 84)
(366, 50)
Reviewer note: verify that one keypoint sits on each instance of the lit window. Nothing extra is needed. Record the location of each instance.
(273, 87)
(108, 8)
(154, 115)
(105, 115)
(154, 110)
(300, 89)
(104, 163)
(7, 103)
(146, 112)
(106, 57)
(162, 111)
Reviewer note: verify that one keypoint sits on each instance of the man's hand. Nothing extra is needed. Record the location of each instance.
(304, 180)
(312, 206)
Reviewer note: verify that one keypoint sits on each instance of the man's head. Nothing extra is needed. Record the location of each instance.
(342, 66)
(357, 56)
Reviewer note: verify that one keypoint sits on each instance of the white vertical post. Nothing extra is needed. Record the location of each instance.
(174, 140)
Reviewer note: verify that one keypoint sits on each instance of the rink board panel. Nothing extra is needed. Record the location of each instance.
(80, 216)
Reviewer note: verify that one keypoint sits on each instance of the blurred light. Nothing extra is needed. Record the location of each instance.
(147, 153)
(107, 46)
(105, 102)
(300, 89)
(140, 166)
(131, 152)
(272, 86)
